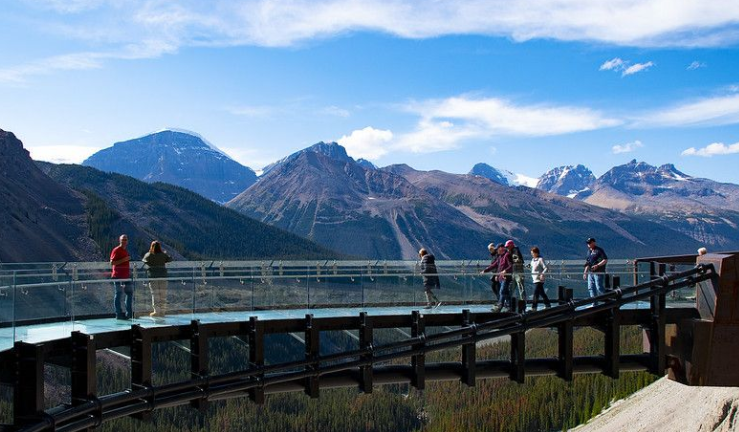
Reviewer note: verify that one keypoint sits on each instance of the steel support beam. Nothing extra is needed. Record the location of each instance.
(612, 333)
(418, 361)
(141, 364)
(469, 352)
(199, 361)
(28, 389)
(256, 356)
(565, 332)
(366, 339)
(312, 351)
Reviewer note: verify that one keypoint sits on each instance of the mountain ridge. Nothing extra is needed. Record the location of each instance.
(177, 157)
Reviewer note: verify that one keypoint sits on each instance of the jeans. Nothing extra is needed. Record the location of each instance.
(123, 288)
(505, 293)
(596, 283)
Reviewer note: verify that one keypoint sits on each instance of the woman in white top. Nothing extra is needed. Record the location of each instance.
(538, 268)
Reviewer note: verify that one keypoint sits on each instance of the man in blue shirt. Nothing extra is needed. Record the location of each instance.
(595, 268)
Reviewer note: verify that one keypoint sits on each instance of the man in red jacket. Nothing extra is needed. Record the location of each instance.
(119, 261)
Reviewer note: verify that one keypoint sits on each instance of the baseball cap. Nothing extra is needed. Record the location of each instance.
(589, 240)
(509, 243)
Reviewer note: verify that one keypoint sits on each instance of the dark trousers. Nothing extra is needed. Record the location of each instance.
(539, 292)
(495, 286)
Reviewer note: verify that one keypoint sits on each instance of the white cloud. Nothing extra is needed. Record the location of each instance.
(636, 68)
(627, 148)
(624, 66)
(696, 65)
(445, 123)
(82, 61)
(712, 111)
(615, 63)
(121, 23)
(715, 149)
(368, 143)
(61, 153)
(336, 111)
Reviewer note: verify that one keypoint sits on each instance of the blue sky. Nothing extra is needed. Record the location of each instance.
(435, 84)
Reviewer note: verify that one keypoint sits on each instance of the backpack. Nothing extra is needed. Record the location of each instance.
(517, 260)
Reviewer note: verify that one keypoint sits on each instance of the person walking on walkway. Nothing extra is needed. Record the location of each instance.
(156, 261)
(121, 272)
(595, 268)
(503, 268)
(494, 284)
(518, 270)
(538, 269)
(430, 278)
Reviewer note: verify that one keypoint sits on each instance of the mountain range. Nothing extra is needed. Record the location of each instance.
(74, 213)
(356, 208)
(323, 194)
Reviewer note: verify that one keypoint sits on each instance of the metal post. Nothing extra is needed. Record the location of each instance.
(28, 389)
(198, 359)
(656, 334)
(256, 356)
(15, 295)
(418, 361)
(518, 349)
(312, 350)
(366, 338)
(565, 332)
(140, 363)
(612, 344)
(469, 353)
(84, 368)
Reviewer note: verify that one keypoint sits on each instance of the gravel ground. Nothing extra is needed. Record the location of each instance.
(667, 406)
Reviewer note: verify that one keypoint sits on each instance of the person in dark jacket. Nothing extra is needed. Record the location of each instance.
(595, 268)
(518, 268)
(503, 267)
(156, 260)
(430, 278)
(494, 284)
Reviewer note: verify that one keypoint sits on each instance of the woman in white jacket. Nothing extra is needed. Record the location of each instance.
(538, 268)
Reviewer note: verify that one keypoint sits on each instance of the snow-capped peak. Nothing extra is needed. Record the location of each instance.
(191, 133)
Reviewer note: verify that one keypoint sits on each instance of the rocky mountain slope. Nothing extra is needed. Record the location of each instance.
(570, 181)
(703, 209)
(389, 213)
(180, 158)
(187, 223)
(324, 195)
(556, 224)
(667, 406)
(40, 220)
(503, 177)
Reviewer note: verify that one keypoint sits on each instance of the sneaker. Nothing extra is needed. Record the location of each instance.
(429, 307)
(497, 308)
(154, 314)
(505, 309)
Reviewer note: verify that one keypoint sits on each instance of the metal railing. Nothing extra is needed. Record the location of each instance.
(38, 293)
(146, 398)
